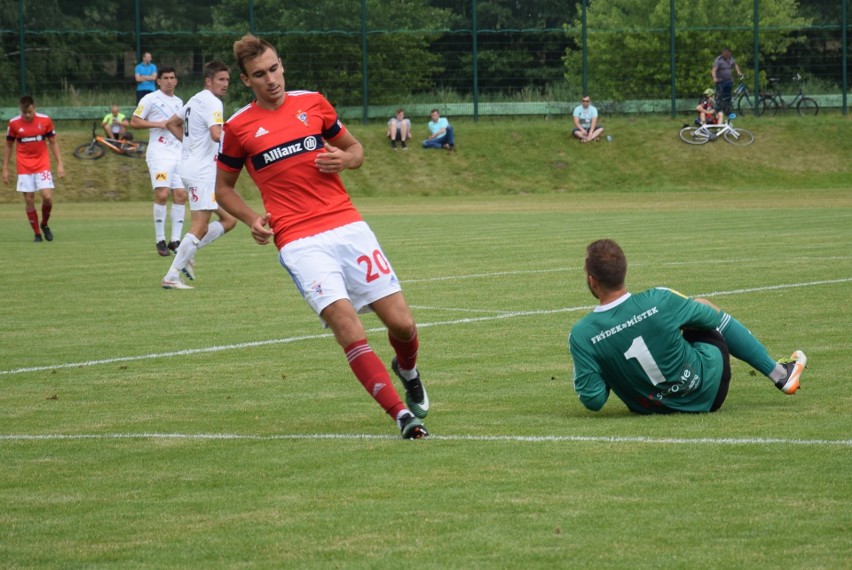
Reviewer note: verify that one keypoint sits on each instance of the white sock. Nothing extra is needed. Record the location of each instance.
(160, 222)
(178, 213)
(408, 374)
(214, 232)
(185, 252)
(402, 413)
(778, 373)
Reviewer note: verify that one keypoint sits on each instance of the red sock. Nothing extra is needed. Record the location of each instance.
(406, 351)
(33, 216)
(46, 207)
(373, 375)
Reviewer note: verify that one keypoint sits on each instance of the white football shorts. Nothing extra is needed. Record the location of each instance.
(35, 182)
(164, 173)
(201, 194)
(343, 263)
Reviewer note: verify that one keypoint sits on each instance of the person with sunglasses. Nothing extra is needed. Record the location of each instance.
(586, 127)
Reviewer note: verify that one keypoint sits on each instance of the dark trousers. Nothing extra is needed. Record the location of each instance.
(716, 339)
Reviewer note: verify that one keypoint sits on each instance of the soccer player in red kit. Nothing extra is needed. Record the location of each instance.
(33, 132)
(293, 146)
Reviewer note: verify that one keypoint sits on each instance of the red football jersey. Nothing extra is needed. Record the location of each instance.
(31, 156)
(278, 149)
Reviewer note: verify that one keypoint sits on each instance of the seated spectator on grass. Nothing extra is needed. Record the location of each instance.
(441, 133)
(115, 124)
(399, 129)
(586, 127)
(706, 109)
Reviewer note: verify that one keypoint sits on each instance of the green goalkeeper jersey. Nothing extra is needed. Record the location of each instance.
(634, 347)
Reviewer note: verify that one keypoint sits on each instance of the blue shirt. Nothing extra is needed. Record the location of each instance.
(435, 126)
(146, 69)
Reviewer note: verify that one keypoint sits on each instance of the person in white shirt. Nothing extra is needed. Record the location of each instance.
(199, 126)
(163, 157)
(586, 127)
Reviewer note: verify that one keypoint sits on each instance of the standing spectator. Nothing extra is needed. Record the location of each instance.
(115, 123)
(723, 76)
(199, 125)
(146, 75)
(399, 129)
(163, 157)
(586, 127)
(33, 132)
(330, 253)
(660, 351)
(441, 133)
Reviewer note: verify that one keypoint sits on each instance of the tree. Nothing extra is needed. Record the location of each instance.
(628, 42)
(320, 45)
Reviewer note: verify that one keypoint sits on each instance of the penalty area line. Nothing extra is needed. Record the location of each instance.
(727, 441)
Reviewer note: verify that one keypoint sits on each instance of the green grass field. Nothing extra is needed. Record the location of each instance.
(222, 428)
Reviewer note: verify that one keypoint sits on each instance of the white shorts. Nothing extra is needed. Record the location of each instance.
(343, 263)
(35, 182)
(164, 173)
(201, 193)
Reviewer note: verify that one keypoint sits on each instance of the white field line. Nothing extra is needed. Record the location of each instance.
(579, 268)
(468, 320)
(475, 438)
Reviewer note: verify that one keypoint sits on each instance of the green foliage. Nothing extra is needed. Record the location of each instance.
(637, 31)
(317, 47)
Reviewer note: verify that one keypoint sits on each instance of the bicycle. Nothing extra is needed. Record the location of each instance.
(710, 132)
(744, 102)
(95, 149)
(772, 100)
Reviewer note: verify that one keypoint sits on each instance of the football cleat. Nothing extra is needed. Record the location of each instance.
(189, 270)
(173, 245)
(411, 427)
(795, 366)
(176, 284)
(37, 238)
(48, 235)
(415, 394)
(162, 248)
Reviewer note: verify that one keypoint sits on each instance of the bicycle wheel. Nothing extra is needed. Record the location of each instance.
(89, 151)
(136, 150)
(768, 106)
(745, 105)
(693, 135)
(740, 137)
(807, 107)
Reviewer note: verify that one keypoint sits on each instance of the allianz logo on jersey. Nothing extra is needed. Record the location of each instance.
(286, 150)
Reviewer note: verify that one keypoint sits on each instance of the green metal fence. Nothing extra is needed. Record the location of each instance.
(468, 57)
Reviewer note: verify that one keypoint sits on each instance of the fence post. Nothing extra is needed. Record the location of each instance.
(585, 48)
(364, 60)
(672, 55)
(137, 28)
(756, 58)
(844, 23)
(22, 60)
(473, 26)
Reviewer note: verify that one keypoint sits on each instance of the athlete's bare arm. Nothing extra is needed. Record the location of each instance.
(230, 201)
(345, 153)
(175, 126)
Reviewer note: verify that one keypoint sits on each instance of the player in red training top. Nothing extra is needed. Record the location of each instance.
(293, 146)
(33, 132)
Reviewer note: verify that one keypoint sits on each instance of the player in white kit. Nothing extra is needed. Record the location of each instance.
(199, 125)
(163, 157)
